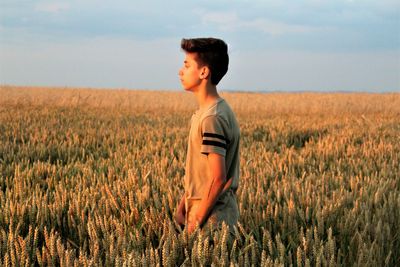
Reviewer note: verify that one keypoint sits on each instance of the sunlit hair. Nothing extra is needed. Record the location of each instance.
(212, 53)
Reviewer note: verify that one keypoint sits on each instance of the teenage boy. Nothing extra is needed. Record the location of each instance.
(212, 162)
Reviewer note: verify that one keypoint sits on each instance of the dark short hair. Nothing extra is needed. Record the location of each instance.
(211, 52)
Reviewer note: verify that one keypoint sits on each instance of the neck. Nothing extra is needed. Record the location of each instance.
(206, 95)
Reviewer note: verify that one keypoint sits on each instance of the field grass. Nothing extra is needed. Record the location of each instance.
(92, 177)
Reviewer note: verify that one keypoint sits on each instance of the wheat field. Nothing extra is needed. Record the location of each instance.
(92, 177)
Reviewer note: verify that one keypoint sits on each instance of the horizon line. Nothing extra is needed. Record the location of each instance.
(263, 91)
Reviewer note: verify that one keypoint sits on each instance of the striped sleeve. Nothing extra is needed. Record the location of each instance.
(214, 139)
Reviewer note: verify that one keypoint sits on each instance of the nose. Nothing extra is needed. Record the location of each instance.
(180, 72)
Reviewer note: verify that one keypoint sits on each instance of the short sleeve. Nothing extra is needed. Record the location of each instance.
(214, 139)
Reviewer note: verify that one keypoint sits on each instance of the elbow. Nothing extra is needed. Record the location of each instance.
(219, 181)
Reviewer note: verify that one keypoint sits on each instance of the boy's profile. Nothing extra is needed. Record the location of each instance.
(212, 162)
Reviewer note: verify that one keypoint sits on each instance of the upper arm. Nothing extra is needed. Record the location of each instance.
(216, 163)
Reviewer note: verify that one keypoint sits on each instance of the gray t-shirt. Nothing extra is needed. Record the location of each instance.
(214, 129)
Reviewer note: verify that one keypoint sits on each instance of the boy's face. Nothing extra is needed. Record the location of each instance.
(191, 74)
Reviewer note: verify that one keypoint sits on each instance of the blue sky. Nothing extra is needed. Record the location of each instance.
(276, 45)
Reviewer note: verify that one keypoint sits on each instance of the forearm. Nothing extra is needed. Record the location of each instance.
(216, 183)
(209, 199)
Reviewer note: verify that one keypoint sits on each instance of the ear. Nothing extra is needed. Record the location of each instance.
(204, 72)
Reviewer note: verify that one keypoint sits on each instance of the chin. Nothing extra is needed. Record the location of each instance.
(186, 88)
(190, 89)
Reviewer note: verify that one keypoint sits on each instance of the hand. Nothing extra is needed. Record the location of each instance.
(192, 226)
(180, 217)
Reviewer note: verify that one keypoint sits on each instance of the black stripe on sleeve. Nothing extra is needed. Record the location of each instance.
(214, 143)
(219, 136)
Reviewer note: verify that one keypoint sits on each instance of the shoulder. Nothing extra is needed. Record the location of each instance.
(220, 110)
(220, 116)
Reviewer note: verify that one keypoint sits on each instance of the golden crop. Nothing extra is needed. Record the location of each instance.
(92, 177)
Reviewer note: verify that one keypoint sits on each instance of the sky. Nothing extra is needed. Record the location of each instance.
(274, 45)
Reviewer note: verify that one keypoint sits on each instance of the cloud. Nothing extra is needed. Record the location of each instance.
(278, 44)
(52, 7)
(230, 21)
(278, 28)
(225, 20)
